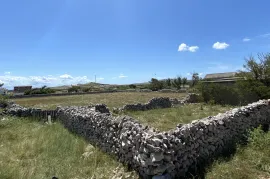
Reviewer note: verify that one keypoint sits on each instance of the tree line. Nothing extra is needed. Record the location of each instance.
(177, 82)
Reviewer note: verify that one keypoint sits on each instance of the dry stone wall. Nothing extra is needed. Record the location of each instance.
(161, 102)
(17, 110)
(153, 153)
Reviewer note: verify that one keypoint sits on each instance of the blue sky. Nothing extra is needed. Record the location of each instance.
(57, 42)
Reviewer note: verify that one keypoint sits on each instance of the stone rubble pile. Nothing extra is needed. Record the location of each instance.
(17, 110)
(191, 98)
(155, 103)
(102, 108)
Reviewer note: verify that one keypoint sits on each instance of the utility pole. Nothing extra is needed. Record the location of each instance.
(95, 78)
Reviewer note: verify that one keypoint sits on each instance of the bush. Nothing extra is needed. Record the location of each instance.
(241, 93)
(3, 101)
(219, 94)
(177, 82)
(132, 86)
(43, 90)
(156, 85)
(123, 87)
(252, 90)
(249, 91)
(86, 90)
(74, 89)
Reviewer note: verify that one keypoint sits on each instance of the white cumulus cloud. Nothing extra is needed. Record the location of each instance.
(184, 47)
(246, 39)
(193, 48)
(220, 45)
(66, 76)
(122, 76)
(37, 81)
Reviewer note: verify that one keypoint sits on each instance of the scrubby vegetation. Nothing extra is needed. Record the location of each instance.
(43, 90)
(74, 89)
(156, 85)
(3, 101)
(254, 85)
(132, 86)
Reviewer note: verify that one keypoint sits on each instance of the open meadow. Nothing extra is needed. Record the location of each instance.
(110, 99)
(34, 150)
(168, 118)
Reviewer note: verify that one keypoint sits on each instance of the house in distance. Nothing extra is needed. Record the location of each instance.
(222, 78)
(19, 90)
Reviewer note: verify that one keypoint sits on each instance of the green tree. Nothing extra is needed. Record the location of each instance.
(74, 89)
(168, 82)
(184, 81)
(132, 86)
(43, 89)
(195, 79)
(1, 84)
(258, 70)
(155, 84)
(177, 82)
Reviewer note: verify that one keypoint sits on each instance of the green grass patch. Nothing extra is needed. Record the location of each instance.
(110, 99)
(33, 150)
(168, 118)
(249, 162)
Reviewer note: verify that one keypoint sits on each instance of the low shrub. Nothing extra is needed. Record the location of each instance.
(3, 101)
(218, 94)
(132, 86)
(240, 93)
(156, 85)
(43, 90)
(74, 89)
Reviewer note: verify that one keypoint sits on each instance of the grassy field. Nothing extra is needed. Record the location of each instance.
(110, 99)
(168, 118)
(249, 162)
(31, 150)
